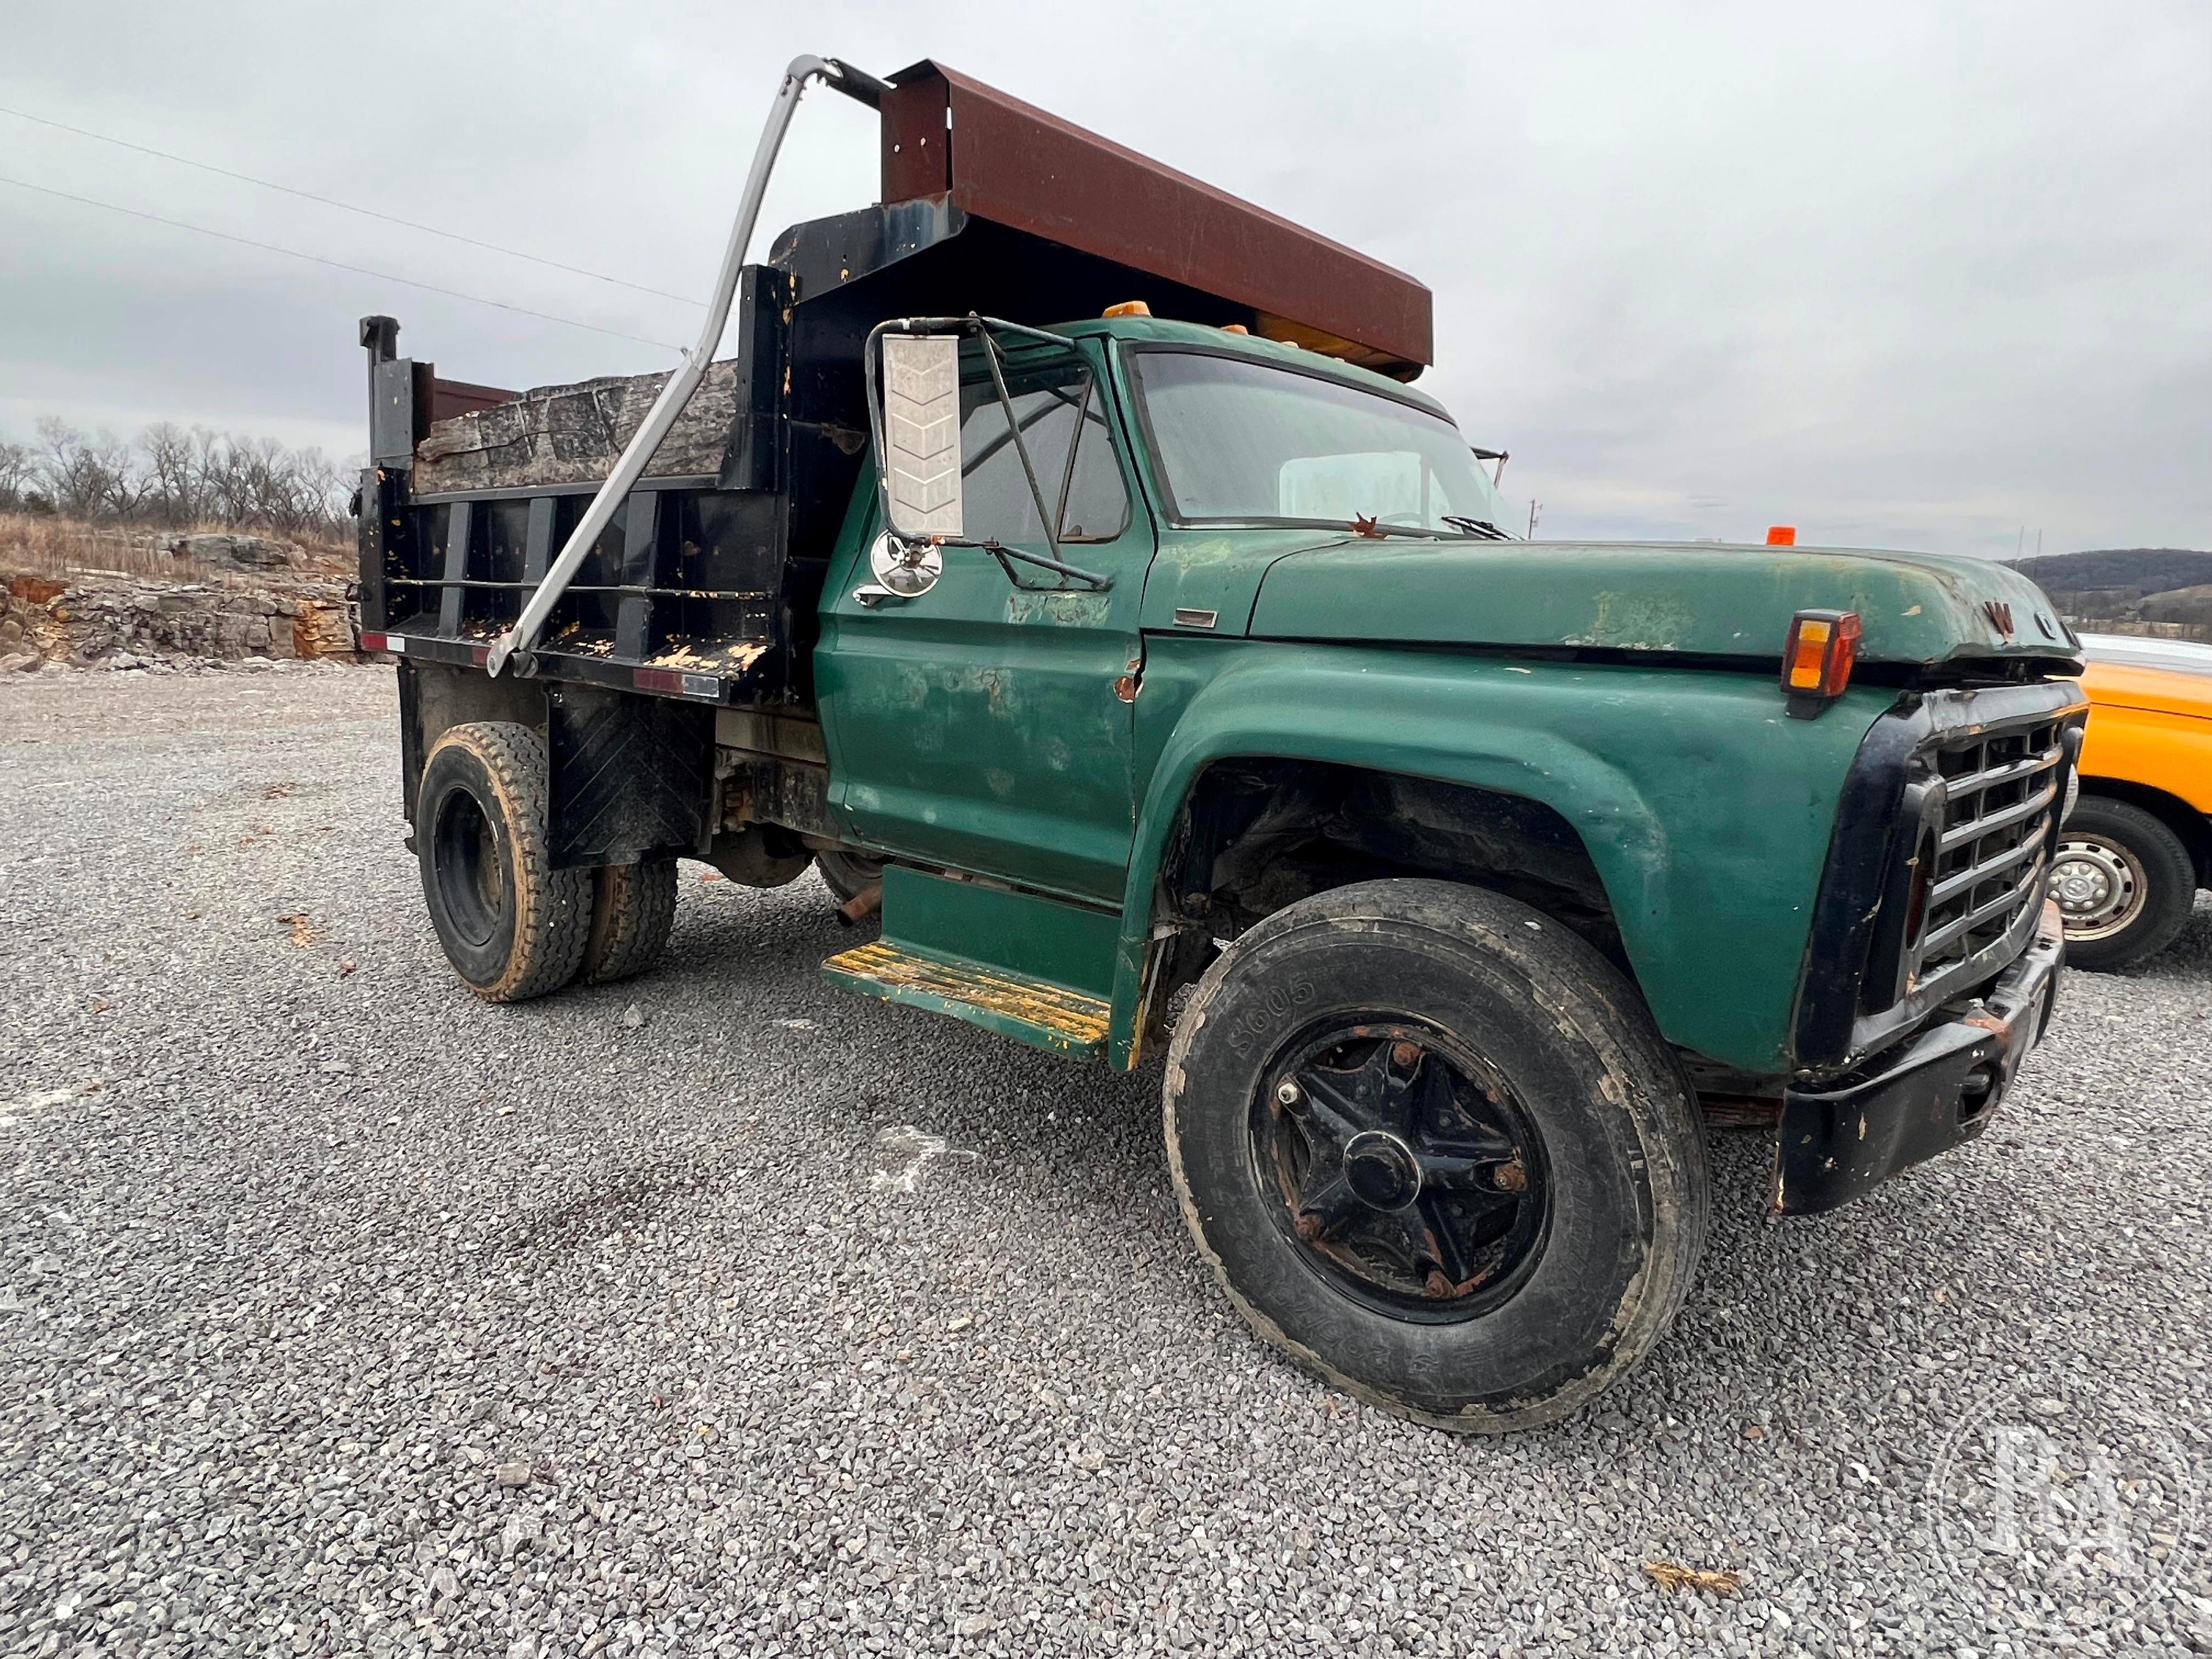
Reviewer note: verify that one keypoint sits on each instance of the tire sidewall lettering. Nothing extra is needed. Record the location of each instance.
(1271, 1006)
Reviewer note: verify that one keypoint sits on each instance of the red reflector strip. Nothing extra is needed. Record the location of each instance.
(391, 642)
(670, 683)
(479, 654)
(1842, 656)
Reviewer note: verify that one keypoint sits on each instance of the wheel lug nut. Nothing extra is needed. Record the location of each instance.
(1404, 1055)
(1511, 1177)
(1288, 1093)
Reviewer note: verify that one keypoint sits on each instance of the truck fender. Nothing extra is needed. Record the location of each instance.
(1383, 724)
(1705, 812)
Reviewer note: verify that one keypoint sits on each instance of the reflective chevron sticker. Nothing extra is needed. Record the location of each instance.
(922, 432)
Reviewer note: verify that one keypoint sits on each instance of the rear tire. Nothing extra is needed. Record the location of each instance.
(1437, 1153)
(633, 912)
(512, 926)
(2124, 884)
(847, 875)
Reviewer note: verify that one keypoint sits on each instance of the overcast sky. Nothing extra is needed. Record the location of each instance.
(1902, 274)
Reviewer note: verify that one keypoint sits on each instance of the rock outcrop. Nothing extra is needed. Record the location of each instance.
(87, 619)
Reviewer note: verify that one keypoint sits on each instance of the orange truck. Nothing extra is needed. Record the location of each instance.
(2137, 845)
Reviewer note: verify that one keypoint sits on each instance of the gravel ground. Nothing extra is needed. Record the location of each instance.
(339, 1313)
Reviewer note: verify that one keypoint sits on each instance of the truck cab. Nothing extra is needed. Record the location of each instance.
(1066, 565)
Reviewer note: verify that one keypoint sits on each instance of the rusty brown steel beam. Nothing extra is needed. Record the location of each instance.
(997, 158)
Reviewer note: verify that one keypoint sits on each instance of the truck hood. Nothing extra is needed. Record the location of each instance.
(1697, 598)
(2155, 691)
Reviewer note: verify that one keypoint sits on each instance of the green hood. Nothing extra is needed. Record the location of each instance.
(1695, 599)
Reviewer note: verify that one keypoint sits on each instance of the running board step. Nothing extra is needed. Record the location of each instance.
(1050, 1016)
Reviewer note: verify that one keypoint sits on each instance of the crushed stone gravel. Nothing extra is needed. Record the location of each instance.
(722, 1312)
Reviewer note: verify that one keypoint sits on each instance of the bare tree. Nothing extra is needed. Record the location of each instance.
(173, 496)
(173, 477)
(19, 470)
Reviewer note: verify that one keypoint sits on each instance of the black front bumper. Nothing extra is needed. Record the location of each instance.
(1934, 1092)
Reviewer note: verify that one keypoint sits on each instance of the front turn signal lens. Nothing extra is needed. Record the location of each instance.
(1822, 649)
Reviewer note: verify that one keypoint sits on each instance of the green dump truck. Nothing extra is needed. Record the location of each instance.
(1065, 564)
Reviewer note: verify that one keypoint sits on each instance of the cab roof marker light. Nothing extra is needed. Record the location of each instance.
(1817, 658)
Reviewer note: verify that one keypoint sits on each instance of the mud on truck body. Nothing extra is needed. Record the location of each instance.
(1161, 672)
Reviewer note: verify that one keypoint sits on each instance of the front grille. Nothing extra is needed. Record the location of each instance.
(1985, 834)
(1935, 876)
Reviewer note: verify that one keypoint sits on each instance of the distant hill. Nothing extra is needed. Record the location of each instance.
(2191, 606)
(2161, 591)
(2137, 571)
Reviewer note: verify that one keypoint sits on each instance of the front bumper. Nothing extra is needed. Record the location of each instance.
(1937, 1091)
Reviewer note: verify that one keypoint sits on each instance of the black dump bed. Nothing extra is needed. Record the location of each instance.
(705, 584)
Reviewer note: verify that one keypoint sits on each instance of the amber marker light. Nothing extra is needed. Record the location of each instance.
(1817, 658)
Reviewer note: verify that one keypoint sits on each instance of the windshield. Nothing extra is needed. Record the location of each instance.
(1243, 442)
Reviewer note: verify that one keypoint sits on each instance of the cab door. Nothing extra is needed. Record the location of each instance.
(986, 725)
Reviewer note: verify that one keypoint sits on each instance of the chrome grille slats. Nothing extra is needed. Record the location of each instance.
(1981, 827)
(2004, 907)
(1986, 843)
(1951, 887)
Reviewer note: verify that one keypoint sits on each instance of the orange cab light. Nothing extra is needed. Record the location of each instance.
(1782, 535)
(1127, 308)
(1822, 649)
(1809, 652)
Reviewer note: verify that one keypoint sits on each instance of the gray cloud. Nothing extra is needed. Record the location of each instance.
(1901, 274)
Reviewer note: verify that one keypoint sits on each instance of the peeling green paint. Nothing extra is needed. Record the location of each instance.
(1068, 607)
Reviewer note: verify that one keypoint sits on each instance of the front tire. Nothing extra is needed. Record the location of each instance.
(2124, 884)
(1435, 1150)
(512, 926)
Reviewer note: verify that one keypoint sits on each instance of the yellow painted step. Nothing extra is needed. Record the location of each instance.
(1050, 1016)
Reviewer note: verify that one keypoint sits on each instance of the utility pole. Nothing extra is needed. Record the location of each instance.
(1534, 507)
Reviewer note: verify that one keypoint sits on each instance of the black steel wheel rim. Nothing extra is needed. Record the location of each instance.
(1402, 1166)
(471, 885)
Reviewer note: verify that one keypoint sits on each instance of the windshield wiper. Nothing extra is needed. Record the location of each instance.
(1481, 528)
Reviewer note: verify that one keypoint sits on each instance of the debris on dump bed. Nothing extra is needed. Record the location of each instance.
(564, 434)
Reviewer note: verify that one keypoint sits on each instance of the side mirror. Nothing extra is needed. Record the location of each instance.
(921, 434)
(906, 570)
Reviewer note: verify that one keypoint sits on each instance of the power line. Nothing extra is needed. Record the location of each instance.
(339, 264)
(348, 207)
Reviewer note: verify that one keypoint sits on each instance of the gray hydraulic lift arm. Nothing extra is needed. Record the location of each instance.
(518, 640)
